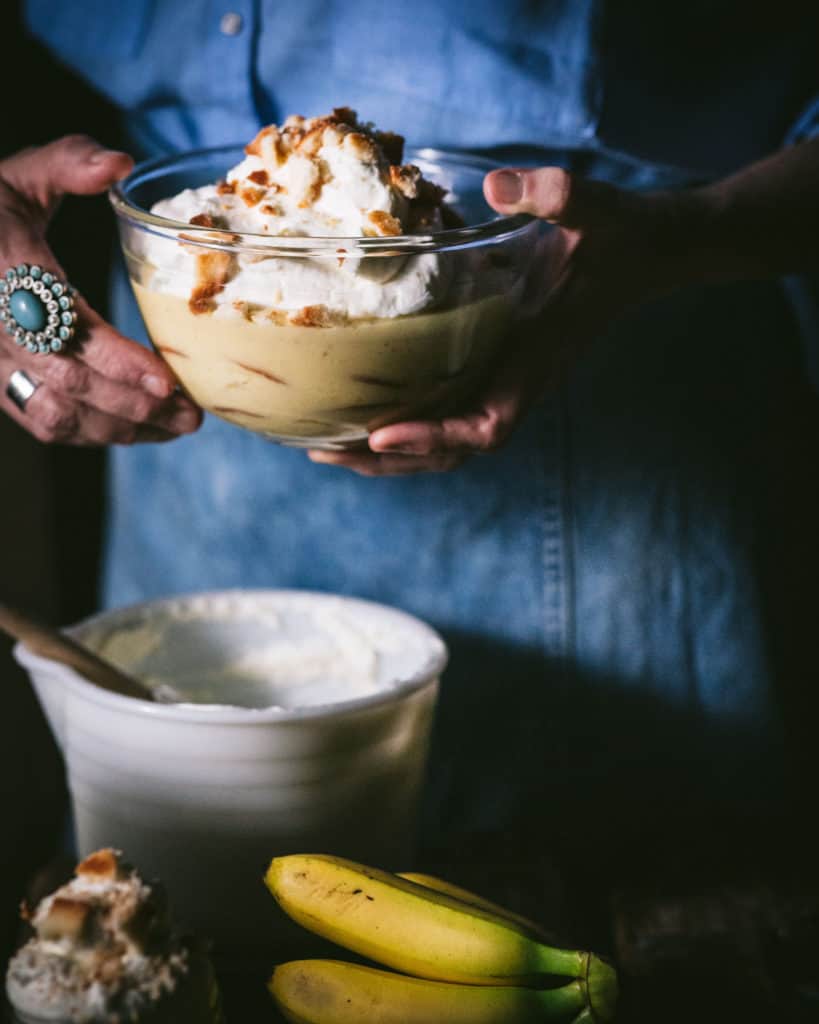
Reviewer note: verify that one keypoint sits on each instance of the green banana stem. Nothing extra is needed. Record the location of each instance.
(601, 990)
(568, 963)
(598, 980)
(560, 1003)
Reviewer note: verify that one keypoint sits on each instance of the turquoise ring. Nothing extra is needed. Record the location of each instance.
(37, 308)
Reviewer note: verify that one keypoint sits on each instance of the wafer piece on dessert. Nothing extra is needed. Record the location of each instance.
(105, 951)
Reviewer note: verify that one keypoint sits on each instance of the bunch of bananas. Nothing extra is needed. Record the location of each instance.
(464, 960)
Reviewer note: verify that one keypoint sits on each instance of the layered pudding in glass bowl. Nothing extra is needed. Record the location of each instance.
(317, 284)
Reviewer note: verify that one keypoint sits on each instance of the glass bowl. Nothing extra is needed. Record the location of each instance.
(317, 384)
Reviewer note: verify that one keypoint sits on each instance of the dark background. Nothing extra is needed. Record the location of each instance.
(51, 496)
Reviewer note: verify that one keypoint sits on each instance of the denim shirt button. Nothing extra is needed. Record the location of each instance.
(231, 24)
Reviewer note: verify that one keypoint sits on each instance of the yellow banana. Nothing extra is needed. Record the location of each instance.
(333, 992)
(423, 932)
(440, 885)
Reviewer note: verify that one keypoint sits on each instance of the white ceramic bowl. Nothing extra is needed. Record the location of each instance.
(202, 796)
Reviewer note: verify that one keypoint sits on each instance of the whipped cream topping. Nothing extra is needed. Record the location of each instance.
(103, 949)
(330, 176)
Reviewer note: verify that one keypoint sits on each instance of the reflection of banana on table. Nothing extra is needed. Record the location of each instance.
(470, 960)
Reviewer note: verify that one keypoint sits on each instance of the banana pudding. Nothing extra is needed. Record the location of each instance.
(322, 287)
(104, 952)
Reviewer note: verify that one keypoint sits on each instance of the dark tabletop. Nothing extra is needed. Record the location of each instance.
(700, 934)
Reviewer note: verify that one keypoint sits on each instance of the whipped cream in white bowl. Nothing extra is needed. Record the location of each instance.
(302, 724)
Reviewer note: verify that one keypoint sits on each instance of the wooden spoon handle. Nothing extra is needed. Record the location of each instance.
(50, 643)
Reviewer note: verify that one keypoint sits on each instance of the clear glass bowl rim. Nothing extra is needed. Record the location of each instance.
(497, 230)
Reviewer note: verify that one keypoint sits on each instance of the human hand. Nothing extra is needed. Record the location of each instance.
(106, 388)
(610, 249)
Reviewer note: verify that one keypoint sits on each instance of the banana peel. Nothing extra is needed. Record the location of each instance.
(335, 992)
(433, 934)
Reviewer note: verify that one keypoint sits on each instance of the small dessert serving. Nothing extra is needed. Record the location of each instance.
(104, 952)
(322, 287)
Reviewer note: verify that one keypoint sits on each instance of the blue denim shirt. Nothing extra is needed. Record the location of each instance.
(598, 580)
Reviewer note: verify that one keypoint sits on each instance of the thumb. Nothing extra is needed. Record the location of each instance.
(74, 164)
(550, 193)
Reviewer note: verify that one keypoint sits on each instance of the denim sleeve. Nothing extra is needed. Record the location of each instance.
(802, 290)
(806, 126)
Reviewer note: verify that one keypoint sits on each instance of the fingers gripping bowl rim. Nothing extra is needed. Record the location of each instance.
(250, 360)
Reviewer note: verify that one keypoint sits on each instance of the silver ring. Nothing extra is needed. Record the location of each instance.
(20, 388)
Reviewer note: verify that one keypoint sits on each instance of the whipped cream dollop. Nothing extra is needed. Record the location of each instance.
(330, 177)
(104, 950)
